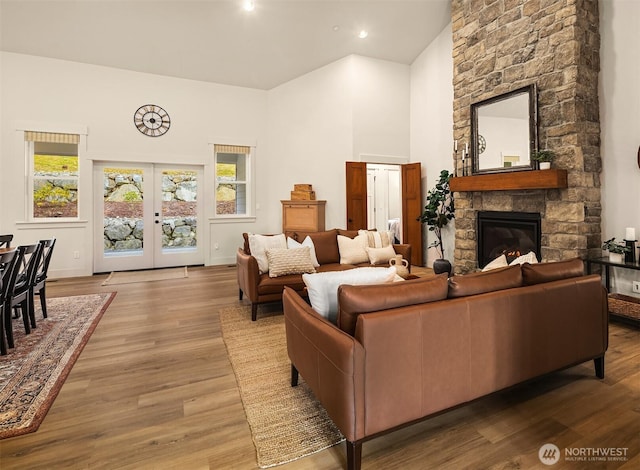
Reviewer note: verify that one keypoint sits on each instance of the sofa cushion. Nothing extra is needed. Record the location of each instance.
(357, 300)
(259, 244)
(326, 244)
(353, 250)
(283, 261)
(322, 288)
(380, 255)
(377, 239)
(291, 243)
(552, 271)
(489, 281)
(528, 258)
(499, 262)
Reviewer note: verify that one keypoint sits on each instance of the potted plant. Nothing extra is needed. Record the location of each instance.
(437, 213)
(544, 158)
(616, 250)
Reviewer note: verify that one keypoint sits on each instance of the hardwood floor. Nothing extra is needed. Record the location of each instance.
(154, 389)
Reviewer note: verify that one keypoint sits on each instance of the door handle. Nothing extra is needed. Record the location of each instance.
(157, 221)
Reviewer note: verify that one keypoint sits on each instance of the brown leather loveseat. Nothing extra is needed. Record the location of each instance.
(260, 288)
(404, 351)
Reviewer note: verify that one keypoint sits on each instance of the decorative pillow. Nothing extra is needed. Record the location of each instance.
(553, 271)
(480, 283)
(353, 250)
(528, 258)
(283, 261)
(291, 243)
(381, 255)
(259, 244)
(356, 300)
(322, 288)
(499, 262)
(377, 239)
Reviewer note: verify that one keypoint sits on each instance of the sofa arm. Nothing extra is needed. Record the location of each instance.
(405, 251)
(248, 274)
(330, 361)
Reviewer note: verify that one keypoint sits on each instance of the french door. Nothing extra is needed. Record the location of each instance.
(147, 216)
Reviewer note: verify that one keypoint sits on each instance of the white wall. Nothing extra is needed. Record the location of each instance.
(431, 135)
(620, 123)
(380, 107)
(103, 99)
(331, 115)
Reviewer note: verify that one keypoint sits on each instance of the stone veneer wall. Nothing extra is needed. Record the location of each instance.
(501, 45)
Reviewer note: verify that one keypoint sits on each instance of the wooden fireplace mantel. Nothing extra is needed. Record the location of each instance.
(533, 179)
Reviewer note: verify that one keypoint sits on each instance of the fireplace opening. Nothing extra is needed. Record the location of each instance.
(510, 233)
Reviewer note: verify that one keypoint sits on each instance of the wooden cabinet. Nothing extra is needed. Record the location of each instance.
(306, 216)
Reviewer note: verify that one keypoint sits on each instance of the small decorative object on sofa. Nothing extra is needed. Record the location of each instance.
(437, 213)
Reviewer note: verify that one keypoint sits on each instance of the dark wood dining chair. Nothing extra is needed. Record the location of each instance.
(9, 262)
(22, 296)
(42, 273)
(5, 241)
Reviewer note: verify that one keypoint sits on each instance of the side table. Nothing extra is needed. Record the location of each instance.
(629, 303)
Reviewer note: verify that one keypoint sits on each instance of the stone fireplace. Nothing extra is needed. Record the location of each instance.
(502, 45)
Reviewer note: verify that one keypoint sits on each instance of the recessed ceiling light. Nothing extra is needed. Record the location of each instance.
(336, 27)
(363, 34)
(248, 5)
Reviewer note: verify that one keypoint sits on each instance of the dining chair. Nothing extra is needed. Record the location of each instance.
(41, 274)
(22, 296)
(5, 241)
(9, 262)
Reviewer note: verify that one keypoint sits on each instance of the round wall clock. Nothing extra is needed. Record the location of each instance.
(482, 144)
(152, 120)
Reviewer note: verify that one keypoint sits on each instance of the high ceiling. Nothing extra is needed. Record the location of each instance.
(218, 41)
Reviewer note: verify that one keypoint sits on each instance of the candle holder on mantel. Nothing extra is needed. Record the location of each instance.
(630, 254)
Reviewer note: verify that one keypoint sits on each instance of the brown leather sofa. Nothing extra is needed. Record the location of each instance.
(404, 351)
(260, 288)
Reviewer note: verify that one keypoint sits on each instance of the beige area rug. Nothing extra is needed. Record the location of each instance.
(33, 372)
(129, 277)
(286, 422)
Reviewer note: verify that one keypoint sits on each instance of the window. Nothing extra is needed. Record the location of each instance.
(52, 162)
(233, 178)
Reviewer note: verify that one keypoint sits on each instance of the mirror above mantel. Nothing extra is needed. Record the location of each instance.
(504, 131)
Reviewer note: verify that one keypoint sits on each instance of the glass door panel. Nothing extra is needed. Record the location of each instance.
(178, 214)
(148, 216)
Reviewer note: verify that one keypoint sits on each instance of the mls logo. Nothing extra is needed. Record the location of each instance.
(549, 454)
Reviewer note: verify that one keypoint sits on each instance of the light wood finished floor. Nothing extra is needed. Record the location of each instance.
(153, 389)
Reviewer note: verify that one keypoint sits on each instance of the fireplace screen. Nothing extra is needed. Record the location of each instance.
(510, 233)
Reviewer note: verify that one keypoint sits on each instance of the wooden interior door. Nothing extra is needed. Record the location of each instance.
(356, 173)
(411, 210)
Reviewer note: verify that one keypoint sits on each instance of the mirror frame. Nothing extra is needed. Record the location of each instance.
(532, 92)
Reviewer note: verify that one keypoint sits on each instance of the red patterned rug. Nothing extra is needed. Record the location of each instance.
(32, 374)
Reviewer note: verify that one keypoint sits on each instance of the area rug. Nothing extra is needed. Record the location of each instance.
(129, 277)
(286, 422)
(33, 372)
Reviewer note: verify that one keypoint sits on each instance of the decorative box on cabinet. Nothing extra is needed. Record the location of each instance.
(306, 216)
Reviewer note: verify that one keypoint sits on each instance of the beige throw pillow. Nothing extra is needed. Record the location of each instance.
(291, 243)
(353, 250)
(283, 261)
(376, 239)
(499, 262)
(381, 255)
(259, 244)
